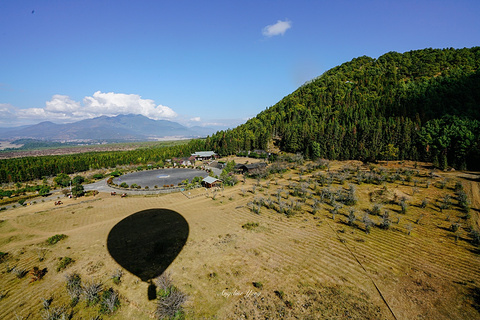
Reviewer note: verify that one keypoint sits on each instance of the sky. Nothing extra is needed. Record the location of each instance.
(207, 63)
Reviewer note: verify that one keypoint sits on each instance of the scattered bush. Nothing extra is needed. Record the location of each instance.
(64, 262)
(455, 226)
(97, 176)
(351, 216)
(258, 285)
(56, 313)
(386, 222)
(280, 294)
(250, 225)
(170, 298)
(424, 203)
(91, 291)
(74, 285)
(117, 276)
(377, 209)
(368, 223)
(403, 206)
(46, 303)
(409, 228)
(19, 272)
(109, 301)
(56, 238)
(37, 273)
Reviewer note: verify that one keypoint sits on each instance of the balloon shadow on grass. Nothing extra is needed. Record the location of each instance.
(146, 243)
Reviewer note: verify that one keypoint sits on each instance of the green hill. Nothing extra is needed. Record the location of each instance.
(425, 102)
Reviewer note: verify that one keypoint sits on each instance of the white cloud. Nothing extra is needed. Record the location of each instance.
(9, 117)
(63, 109)
(62, 104)
(195, 119)
(119, 103)
(276, 29)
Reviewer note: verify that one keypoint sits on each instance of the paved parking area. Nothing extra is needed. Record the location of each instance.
(160, 177)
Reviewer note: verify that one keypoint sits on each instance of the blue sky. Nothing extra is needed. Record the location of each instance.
(198, 62)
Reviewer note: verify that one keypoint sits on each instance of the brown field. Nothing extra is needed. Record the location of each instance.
(307, 266)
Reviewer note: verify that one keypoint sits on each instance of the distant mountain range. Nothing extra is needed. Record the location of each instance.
(122, 127)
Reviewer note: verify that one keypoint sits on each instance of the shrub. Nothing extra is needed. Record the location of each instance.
(78, 180)
(351, 198)
(280, 294)
(56, 238)
(117, 276)
(64, 262)
(424, 203)
(403, 206)
(170, 298)
(386, 222)
(3, 256)
(250, 225)
(124, 185)
(37, 273)
(109, 301)
(454, 226)
(377, 209)
(368, 223)
(475, 237)
(258, 285)
(78, 190)
(74, 285)
(46, 303)
(55, 313)
(351, 216)
(409, 228)
(19, 272)
(91, 290)
(116, 173)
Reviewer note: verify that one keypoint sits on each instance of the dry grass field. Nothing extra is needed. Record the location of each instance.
(238, 263)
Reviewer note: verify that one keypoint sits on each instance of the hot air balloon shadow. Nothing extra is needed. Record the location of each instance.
(146, 243)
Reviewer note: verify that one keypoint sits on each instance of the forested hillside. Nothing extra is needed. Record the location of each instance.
(419, 105)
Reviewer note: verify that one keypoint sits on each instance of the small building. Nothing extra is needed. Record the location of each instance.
(210, 182)
(204, 155)
(248, 168)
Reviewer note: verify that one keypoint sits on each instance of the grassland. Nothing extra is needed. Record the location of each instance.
(294, 259)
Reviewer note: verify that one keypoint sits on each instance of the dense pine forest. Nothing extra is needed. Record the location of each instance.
(420, 105)
(31, 168)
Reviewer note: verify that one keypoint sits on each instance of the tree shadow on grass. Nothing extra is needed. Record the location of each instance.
(146, 243)
(475, 295)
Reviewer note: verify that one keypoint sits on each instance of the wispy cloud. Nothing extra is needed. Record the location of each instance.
(62, 108)
(276, 29)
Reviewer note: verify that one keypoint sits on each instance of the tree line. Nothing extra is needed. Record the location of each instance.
(31, 168)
